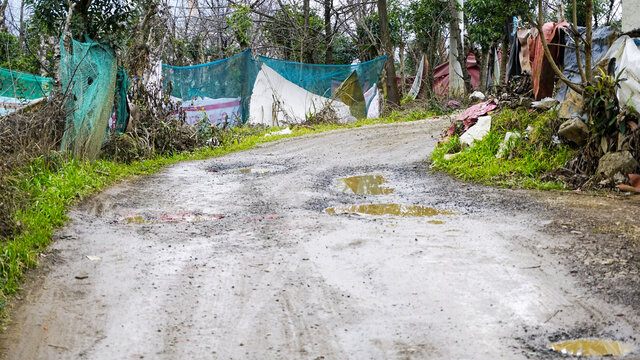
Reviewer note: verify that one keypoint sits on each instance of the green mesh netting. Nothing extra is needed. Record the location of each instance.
(18, 85)
(121, 108)
(88, 75)
(324, 80)
(223, 79)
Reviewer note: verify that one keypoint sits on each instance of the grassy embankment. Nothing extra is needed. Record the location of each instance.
(526, 160)
(48, 189)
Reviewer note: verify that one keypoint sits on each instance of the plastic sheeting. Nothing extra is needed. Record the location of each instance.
(571, 102)
(417, 81)
(324, 80)
(624, 54)
(277, 101)
(88, 75)
(441, 75)
(520, 57)
(350, 93)
(542, 74)
(223, 79)
(19, 89)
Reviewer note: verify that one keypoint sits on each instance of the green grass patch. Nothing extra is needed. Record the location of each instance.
(50, 188)
(527, 158)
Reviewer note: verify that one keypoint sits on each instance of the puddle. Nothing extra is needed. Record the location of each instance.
(169, 218)
(437, 222)
(253, 171)
(388, 209)
(592, 347)
(365, 185)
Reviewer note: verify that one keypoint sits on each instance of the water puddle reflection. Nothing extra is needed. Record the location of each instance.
(365, 185)
(592, 347)
(253, 171)
(388, 209)
(169, 218)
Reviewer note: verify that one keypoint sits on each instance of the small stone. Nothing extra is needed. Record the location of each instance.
(617, 162)
(545, 104)
(477, 96)
(574, 130)
(525, 102)
(619, 179)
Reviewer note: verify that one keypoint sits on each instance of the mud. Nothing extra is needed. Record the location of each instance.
(592, 347)
(274, 277)
(365, 185)
(387, 209)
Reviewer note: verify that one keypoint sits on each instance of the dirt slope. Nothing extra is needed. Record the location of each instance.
(203, 261)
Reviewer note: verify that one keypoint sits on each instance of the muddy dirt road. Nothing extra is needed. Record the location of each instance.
(209, 261)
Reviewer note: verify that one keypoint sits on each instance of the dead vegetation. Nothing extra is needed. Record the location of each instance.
(157, 127)
(25, 136)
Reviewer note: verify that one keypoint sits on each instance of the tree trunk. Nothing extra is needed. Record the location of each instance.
(21, 35)
(458, 50)
(430, 65)
(393, 98)
(504, 60)
(82, 8)
(3, 18)
(484, 69)
(403, 86)
(328, 55)
(304, 53)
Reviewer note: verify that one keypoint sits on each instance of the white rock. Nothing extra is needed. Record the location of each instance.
(477, 96)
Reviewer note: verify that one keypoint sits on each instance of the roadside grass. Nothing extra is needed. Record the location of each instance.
(48, 188)
(526, 160)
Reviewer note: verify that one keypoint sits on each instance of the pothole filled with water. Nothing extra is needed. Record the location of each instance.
(364, 185)
(388, 209)
(592, 347)
(187, 217)
(252, 170)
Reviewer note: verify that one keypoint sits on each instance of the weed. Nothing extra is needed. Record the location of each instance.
(530, 156)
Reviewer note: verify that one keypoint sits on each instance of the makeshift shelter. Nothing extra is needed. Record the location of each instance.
(441, 75)
(570, 101)
(19, 89)
(88, 75)
(324, 80)
(520, 56)
(277, 101)
(542, 74)
(219, 90)
(624, 56)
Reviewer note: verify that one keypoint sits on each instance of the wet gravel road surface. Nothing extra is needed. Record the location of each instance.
(211, 260)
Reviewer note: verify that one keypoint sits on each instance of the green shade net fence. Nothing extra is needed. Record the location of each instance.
(220, 89)
(324, 80)
(15, 84)
(88, 75)
(18, 89)
(121, 109)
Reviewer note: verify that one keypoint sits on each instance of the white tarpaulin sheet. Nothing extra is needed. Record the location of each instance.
(627, 59)
(276, 101)
(417, 82)
(9, 104)
(372, 99)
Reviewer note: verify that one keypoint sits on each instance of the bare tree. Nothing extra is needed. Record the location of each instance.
(393, 96)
